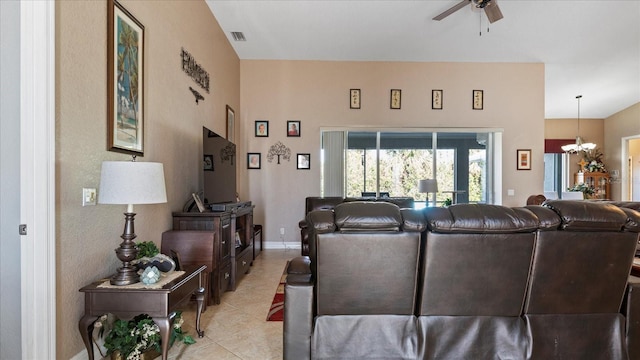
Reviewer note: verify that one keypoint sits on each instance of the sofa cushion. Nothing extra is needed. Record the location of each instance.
(480, 218)
(473, 337)
(365, 337)
(364, 215)
(579, 215)
(588, 336)
(366, 273)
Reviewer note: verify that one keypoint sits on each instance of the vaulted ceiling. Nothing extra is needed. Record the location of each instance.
(589, 47)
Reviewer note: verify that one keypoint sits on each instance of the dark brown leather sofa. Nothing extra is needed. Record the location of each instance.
(479, 282)
(312, 203)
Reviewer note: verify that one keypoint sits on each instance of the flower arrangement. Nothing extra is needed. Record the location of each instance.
(584, 188)
(133, 337)
(593, 158)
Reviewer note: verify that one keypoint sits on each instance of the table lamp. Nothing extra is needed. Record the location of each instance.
(129, 183)
(428, 186)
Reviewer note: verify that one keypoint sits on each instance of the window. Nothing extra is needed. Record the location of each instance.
(393, 162)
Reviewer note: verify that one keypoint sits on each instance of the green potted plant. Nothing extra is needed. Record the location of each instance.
(138, 338)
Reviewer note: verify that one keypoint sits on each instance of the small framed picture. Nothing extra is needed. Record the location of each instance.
(231, 120)
(396, 97)
(304, 161)
(208, 163)
(436, 99)
(262, 128)
(524, 159)
(354, 99)
(253, 160)
(478, 99)
(198, 202)
(293, 128)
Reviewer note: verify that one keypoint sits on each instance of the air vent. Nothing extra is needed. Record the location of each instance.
(238, 36)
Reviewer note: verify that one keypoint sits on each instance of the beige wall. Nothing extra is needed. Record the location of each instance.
(87, 236)
(625, 123)
(317, 94)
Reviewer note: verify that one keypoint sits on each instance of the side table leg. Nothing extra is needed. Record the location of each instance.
(164, 324)
(85, 325)
(199, 293)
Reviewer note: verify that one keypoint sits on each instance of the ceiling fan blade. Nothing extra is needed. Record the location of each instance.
(455, 8)
(493, 12)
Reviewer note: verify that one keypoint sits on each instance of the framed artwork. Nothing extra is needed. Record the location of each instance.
(436, 99)
(231, 120)
(125, 81)
(293, 128)
(304, 161)
(396, 95)
(478, 99)
(354, 99)
(208, 163)
(253, 160)
(262, 128)
(524, 159)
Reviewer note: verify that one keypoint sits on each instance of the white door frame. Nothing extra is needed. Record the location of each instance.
(624, 166)
(37, 179)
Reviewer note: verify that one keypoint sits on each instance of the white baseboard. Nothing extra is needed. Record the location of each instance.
(280, 245)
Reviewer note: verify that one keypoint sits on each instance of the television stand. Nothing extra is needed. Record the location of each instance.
(222, 240)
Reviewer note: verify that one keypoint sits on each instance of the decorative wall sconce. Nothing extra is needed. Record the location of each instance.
(279, 150)
(196, 94)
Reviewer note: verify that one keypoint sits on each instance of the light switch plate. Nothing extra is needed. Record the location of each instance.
(89, 196)
(511, 192)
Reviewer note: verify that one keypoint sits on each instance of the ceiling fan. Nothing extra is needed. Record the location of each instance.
(490, 8)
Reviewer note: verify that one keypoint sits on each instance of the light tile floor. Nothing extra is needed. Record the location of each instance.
(237, 328)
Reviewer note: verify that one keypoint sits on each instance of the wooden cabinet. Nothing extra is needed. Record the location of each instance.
(597, 181)
(228, 251)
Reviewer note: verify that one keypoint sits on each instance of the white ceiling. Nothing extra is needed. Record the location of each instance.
(589, 48)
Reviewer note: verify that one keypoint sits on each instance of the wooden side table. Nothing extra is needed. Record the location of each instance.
(126, 303)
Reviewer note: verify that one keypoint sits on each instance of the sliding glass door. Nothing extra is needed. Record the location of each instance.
(391, 163)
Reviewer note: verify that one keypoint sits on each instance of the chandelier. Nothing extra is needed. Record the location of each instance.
(580, 145)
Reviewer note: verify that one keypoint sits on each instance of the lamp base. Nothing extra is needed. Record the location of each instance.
(125, 276)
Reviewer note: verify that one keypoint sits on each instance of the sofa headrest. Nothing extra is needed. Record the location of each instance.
(580, 215)
(321, 203)
(367, 215)
(547, 218)
(632, 209)
(480, 218)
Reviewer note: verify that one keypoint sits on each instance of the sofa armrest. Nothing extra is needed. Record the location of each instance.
(631, 310)
(298, 309)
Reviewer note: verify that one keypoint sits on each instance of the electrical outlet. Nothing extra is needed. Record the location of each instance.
(282, 231)
(89, 196)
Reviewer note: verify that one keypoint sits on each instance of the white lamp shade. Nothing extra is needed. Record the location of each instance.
(428, 186)
(131, 182)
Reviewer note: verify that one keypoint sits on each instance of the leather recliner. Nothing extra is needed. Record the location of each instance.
(541, 282)
(328, 203)
(362, 273)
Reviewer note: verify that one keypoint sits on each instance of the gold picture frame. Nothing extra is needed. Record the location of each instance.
(436, 99)
(354, 98)
(524, 159)
(395, 99)
(478, 100)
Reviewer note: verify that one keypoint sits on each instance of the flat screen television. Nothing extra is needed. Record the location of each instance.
(219, 168)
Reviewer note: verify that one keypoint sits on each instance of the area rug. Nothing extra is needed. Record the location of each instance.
(276, 312)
